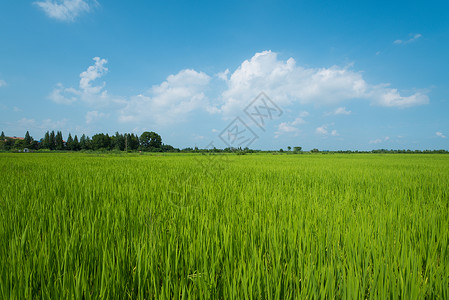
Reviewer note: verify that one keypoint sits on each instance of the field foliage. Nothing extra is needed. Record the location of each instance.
(224, 226)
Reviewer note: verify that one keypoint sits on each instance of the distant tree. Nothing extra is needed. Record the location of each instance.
(6, 144)
(75, 144)
(59, 141)
(52, 141)
(83, 142)
(289, 148)
(2, 136)
(281, 150)
(314, 150)
(19, 144)
(45, 144)
(27, 140)
(101, 141)
(150, 141)
(297, 149)
(118, 141)
(69, 143)
(133, 142)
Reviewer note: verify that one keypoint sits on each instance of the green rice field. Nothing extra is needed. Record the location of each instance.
(260, 226)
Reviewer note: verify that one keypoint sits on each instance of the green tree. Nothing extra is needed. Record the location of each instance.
(150, 141)
(289, 148)
(133, 141)
(76, 144)
(69, 143)
(101, 141)
(118, 141)
(52, 141)
(45, 143)
(27, 140)
(297, 149)
(2, 136)
(83, 142)
(59, 141)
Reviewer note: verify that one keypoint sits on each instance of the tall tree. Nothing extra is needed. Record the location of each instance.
(76, 144)
(59, 141)
(118, 141)
(27, 140)
(83, 142)
(133, 142)
(52, 140)
(2, 136)
(150, 141)
(46, 141)
(69, 143)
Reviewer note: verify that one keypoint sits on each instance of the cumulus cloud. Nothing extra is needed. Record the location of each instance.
(440, 134)
(325, 131)
(170, 101)
(87, 91)
(322, 130)
(286, 83)
(289, 127)
(413, 38)
(186, 92)
(64, 10)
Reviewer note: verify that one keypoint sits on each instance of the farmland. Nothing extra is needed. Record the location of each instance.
(76, 225)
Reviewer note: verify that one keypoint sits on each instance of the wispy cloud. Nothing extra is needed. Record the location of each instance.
(92, 116)
(410, 40)
(64, 10)
(339, 111)
(2, 83)
(324, 130)
(380, 140)
(290, 127)
(440, 134)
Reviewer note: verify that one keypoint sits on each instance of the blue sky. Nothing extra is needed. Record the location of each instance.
(344, 74)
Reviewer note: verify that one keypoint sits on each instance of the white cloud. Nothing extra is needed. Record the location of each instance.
(440, 134)
(392, 98)
(410, 40)
(380, 140)
(286, 127)
(223, 75)
(171, 101)
(289, 127)
(185, 92)
(57, 95)
(16, 109)
(322, 130)
(87, 92)
(342, 111)
(325, 131)
(95, 71)
(47, 124)
(285, 83)
(92, 116)
(2, 83)
(64, 10)
(376, 141)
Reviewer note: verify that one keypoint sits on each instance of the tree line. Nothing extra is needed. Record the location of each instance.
(148, 141)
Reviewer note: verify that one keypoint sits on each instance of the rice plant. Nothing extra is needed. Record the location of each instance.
(257, 227)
